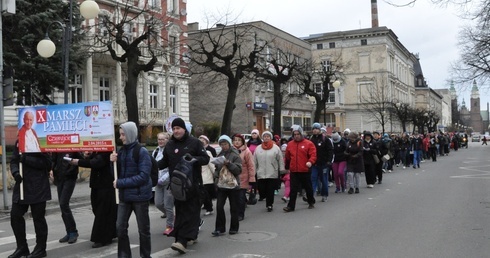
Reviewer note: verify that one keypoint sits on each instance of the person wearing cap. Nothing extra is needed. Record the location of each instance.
(247, 176)
(205, 141)
(324, 153)
(339, 162)
(370, 149)
(355, 162)
(233, 163)
(254, 140)
(188, 212)
(300, 156)
(269, 164)
(134, 184)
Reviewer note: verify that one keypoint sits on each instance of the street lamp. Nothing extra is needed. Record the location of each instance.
(336, 85)
(89, 9)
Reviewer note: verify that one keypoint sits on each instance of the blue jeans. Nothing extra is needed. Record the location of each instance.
(65, 191)
(320, 172)
(142, 218)
(416, 157)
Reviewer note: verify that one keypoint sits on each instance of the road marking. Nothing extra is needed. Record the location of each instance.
(55, 244)
(11, 239)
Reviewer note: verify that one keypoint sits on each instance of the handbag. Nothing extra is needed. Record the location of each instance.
(252, 198)
(376, 159)
(226, 179)
(386, 157)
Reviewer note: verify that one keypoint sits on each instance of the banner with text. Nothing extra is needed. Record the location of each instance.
(65, 128)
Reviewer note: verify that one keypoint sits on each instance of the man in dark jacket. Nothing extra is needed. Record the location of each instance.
(324, 154)
(134, 184)
(187, 213)
(65, 178)
(36, 189)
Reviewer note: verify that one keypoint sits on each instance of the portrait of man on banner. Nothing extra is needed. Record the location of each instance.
(28, 139)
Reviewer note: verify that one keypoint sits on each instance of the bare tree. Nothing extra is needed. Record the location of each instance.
(278, 65)
(315, 78)
(376, 102)
(230, 51)
(402, 113)
(140, 53)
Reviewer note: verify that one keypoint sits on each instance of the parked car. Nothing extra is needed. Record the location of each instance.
(475, 138)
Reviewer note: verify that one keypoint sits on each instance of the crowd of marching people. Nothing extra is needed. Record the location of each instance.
(191, 174)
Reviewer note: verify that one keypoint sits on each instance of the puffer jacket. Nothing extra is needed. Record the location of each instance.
(268, 163)
(134, 181)
(298, 153)
(248, 167)
(35, 167)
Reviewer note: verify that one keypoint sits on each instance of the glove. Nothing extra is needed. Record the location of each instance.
(18, 178)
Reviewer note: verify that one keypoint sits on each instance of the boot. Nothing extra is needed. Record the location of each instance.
(20, 252)
(73, 237)
(37, 253)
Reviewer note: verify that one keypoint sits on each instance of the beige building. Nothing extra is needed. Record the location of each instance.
(376, 67)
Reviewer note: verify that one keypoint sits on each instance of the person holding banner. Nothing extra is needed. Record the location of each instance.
(32, 170)
(187, 213)
(102, 196)
(134, 184)
(65, 178)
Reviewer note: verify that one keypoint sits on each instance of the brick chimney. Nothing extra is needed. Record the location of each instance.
(374, 14)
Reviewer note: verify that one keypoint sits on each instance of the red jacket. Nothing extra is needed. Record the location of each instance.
(298, 154)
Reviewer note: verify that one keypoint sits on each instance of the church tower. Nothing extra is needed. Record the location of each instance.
(475, 116)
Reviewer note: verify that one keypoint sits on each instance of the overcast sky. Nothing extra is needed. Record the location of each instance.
(426, 29)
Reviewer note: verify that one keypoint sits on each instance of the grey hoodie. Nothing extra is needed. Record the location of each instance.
(131, 131)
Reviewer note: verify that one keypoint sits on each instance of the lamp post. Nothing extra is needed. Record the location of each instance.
(46, 48)
(336, 85)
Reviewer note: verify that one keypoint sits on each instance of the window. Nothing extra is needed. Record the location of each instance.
(363, 42)
(173, 50)
(326, 65)
(331, 97)
(104, 88)
(128, 31)
(319, 46)
(270, 86)
(317, 88)
(331, 45)
(287, 122)
(77, 89)
(172, 6)
(173, 99)
(154, 3)
(153, 96)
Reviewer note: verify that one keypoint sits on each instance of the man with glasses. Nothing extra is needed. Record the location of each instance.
(300, 156)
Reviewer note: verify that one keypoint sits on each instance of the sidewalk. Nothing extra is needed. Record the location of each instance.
(80, 197)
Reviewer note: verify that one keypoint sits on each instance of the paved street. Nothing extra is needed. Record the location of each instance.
(439, 210)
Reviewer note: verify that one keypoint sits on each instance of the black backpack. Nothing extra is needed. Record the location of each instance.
(154, 164)
(182, 179)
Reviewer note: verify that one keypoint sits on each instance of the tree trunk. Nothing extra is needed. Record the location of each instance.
(130, 91)
(277, 127)
(230, 106)
(320, 105)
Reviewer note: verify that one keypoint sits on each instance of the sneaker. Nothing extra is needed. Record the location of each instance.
(357, 190)
(200, 224)
(207, 213)
(178, 247)
(233, 232)
(311, 206)
(217, 233)
(276, 192)
(389, 171)
(330, 184)
(384, 170)
(167, 230)
(64, 239)
(337, 190)
(285, 199)
(324, 199)
(240, 218)
(418, 165)
(370, 186)
(351, 191)
(397, 165)
(404, 167)
(164, 216)
(414, 167)
(269, 208)
(305, 199)
(191, 242)
(343, 190)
